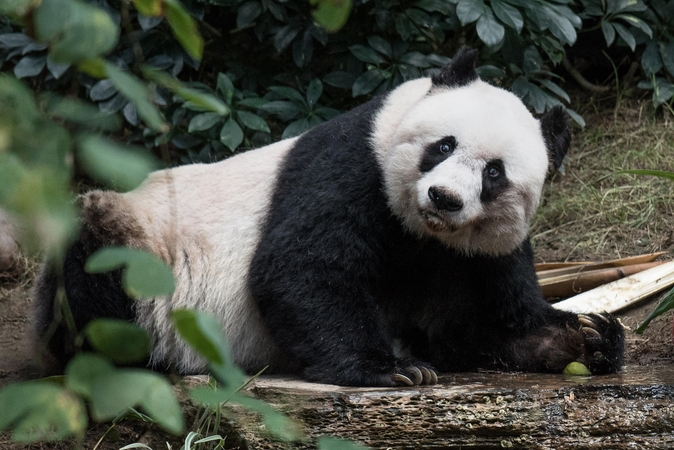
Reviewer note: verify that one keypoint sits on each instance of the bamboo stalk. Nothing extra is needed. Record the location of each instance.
(622, 293)
(582, 267)
(567, 285)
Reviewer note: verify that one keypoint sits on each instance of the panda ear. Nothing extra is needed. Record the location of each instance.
(555, 129)
(460, 71)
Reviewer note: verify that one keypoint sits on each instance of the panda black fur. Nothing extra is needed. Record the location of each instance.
(403, 221)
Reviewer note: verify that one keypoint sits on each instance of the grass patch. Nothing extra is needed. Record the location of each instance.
(586, 215)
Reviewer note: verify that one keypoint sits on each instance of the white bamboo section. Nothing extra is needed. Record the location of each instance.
(622, 293)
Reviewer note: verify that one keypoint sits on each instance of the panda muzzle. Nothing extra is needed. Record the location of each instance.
(444, 201)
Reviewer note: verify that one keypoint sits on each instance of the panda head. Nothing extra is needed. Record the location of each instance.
(464, 161)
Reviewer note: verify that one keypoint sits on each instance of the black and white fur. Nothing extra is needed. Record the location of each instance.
(374, 249)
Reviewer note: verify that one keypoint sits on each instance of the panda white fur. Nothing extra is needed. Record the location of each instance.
(404, 221)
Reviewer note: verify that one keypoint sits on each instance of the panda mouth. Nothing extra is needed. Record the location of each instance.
(436, 222)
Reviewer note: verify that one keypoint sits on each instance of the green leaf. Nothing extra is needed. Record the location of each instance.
(419, 17)
(508, 14)
(468, 11)
(201, 99)
(118, 166)
(577, 369)
(609, 32)
(231, 134)
(653, 173)
(416, 59)
(149, 8)
(76, 31)
(367, 82)
(314, 91)
(204, 121)
(331, 14)
(489, 30)
(562, 28)
(381, 45)
(252, 121)
(204, 334)
(626, 35)
(121, 341)
(79, 112)
(667, 54)
(651, 60)
(289, 93)
(247, 14)
(225, 86)
(285, 110)
(184, 28)
(336, 443)
(366, 54)
(144, 275)
(40, 411)
(30, 66)
(663, 91)
(339, 79)
(83, 370)
(17, 8)
(296, 128)
(137, 93)
(285, 36)
(555, 89)
(667, 301)
(113, 393)
(161, 404)
(636, 23)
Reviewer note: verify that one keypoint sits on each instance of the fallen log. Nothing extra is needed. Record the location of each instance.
(634, 409)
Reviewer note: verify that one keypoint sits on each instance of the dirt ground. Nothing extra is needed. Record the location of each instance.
(581, 218)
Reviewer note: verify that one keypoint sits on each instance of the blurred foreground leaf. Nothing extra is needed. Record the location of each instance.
(121, 341)
(144, 274)
(41, 411)
(121, 167)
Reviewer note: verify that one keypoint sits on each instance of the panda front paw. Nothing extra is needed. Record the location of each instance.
(604, 342)
(414, 374)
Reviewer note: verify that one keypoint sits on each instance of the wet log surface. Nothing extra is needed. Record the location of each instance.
(634, 409)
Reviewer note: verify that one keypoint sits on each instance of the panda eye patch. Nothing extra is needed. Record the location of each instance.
(437, 152)
(494, 180)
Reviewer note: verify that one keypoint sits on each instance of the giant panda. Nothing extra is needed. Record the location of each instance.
(377, 249)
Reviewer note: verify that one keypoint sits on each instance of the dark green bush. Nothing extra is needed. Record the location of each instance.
(267, 49)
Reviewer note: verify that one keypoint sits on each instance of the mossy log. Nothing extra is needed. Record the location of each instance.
(634, 409)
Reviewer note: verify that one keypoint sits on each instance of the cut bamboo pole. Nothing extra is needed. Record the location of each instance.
(543, 267)
(572, 269)
(620, 294)
(567, 285)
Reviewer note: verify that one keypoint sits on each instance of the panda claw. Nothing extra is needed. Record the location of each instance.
(401, 380)
(587, 320)
(416, 374)
(604, 317)
(433, 377)
(590, 331)
(426, 375)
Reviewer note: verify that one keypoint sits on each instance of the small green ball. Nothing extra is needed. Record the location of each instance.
(576, 368)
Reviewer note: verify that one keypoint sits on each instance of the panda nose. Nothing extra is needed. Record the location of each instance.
(444, 201)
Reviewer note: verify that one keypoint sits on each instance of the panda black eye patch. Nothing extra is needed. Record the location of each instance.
(494, 180)
(437, 152)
